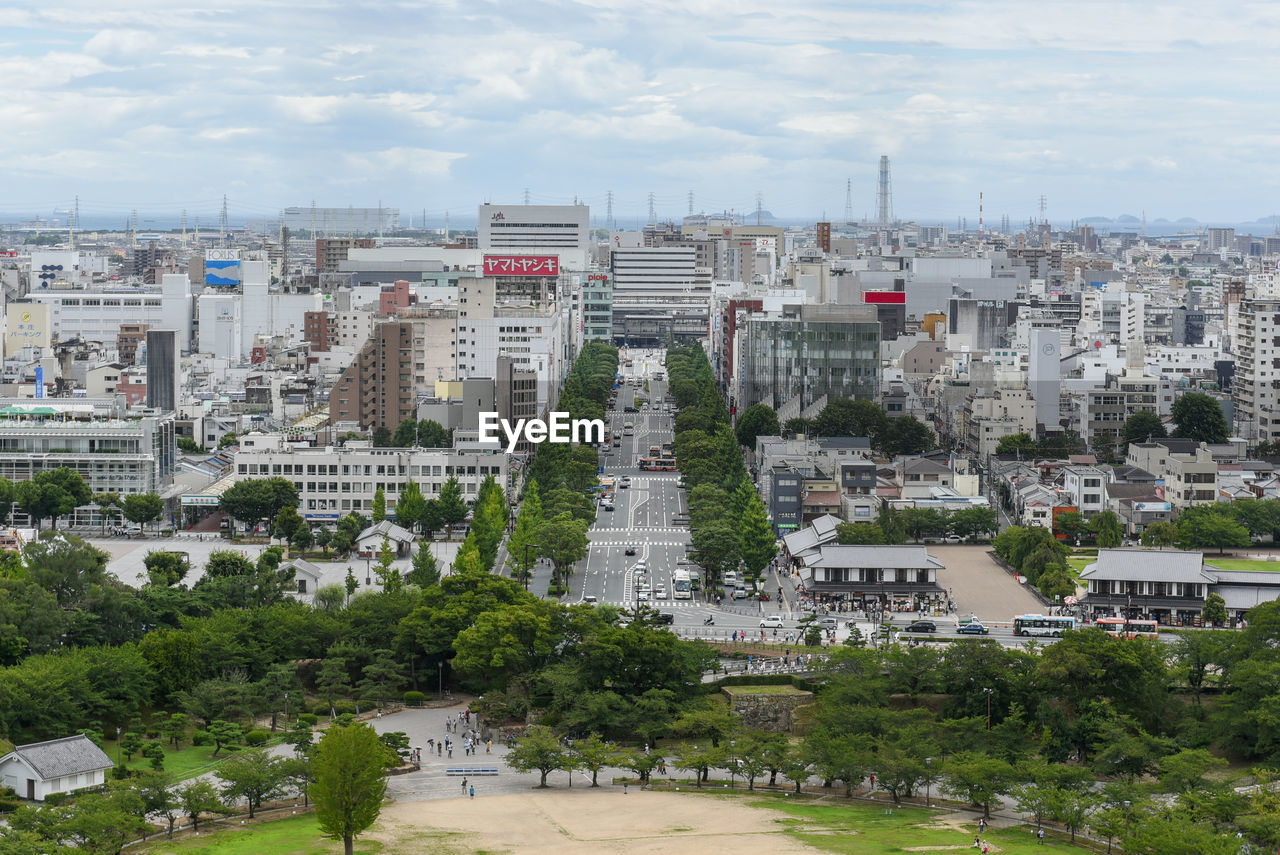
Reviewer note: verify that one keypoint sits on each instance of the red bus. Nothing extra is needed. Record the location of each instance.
(656, 464)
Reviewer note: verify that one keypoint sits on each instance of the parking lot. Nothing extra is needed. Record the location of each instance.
(981, 586)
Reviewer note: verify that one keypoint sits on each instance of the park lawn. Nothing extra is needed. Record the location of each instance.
(870, 829)
(1079, 562)
(1242, 564)
(187, 762)
(297, 835)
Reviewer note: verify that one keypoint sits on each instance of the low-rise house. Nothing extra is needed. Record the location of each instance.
(41, 769)
(370, 540)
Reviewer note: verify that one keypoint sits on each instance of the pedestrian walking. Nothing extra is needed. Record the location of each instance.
(464, 785)
(473, 791)
(1040, 835)
(440, 749)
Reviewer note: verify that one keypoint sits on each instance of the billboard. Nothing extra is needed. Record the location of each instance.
(521, 265)
(222, 267)
(894, 298)
(1152, 507)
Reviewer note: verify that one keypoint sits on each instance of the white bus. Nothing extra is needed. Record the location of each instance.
(1040, 625)
(681, 585)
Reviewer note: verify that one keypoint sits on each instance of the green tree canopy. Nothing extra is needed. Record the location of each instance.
(757, 420)
(1199, 416)
(349, 768)
(1142, 426)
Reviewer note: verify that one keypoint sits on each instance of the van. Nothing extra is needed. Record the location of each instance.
(590, 599)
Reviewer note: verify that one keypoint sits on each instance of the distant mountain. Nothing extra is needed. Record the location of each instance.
(1128, 218)
(1189, 221)
(1092, 220)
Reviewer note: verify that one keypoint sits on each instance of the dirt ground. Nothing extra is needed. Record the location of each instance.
(583, 822)
(982, 586)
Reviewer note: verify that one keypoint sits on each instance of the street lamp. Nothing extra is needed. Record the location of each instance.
(928, 781)
(988, 693)
(117, 745)
(440, 679)
(286, 707)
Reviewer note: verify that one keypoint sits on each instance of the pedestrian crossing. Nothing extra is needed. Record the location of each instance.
(634, 542)
(657, 604)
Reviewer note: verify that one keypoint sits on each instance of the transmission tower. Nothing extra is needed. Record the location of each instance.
(222, 223)
(653, 214)
(884, 195)
(691, 203)
(608, 208)
(759, 209)
(848, 200)
(1044, 202)
(526, 195)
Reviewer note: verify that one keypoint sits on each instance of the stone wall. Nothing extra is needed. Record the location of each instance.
(774, 712)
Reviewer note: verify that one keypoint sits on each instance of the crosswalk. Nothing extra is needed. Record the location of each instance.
(663, 604)
(634, 538)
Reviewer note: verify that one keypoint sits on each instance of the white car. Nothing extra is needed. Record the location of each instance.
(771, 621)
(659, 593)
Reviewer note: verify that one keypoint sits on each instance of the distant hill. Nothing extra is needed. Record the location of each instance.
(1128, 218)
(1189, 221)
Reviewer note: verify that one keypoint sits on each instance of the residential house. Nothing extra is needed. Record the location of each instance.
(370, 540)
(1084, 485)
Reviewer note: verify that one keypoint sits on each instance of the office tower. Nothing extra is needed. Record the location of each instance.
(532, 227)
(162, 369)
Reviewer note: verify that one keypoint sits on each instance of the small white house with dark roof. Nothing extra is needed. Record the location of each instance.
(58, 766)
(370, 540)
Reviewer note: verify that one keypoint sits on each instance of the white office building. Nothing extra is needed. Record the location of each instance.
(657, 290)
(525, 228)
(332, 481)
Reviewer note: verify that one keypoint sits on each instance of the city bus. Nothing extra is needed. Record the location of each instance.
(681, 584)
(1052, 626)
(654, 464)
(1129, 627)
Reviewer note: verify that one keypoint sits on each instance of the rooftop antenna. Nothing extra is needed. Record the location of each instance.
(222, 223)
(197, 230)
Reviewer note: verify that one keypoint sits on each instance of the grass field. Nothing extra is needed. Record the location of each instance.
(187, 762)
(1079, 562)
(860, 829)
(1242, 564)
(297, 835)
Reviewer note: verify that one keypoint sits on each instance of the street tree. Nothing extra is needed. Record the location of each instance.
(453, 510)
(859, 534)
(593, 754)
(979, 778)
(349, 768)
(906, 435)
(410, 506)
(379, 505)
(1142, 426)
(1160, 535)
(1214, 612)
(563, 540)
(425, 571)
(756, 538)
(142, 508)
(1107, 529)
(256, 500)
(756, 420)
(850, 417)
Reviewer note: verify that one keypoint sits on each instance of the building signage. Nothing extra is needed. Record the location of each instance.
(893, 298)
(1152, 507)
(597, 277)
(521, 265)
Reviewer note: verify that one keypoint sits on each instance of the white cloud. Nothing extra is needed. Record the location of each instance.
(418, 162)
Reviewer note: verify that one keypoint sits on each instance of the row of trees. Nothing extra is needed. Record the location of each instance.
(898, 525)
(55, 493)
(414, 433)
(729, 525)
(842, 417)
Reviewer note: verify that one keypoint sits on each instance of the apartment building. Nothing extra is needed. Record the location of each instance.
(1107, 408)
(1255, 390)
(1187, 468)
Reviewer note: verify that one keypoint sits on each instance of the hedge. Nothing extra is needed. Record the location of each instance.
(414, 699)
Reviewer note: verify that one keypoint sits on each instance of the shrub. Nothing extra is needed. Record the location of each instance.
(201, 737)
(309, 719)
(414, 699)
(55, 799)
(255, 738)
(345, 707)
(153, 732)
(320, 708)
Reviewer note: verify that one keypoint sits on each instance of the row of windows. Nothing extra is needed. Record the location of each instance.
(368, 469)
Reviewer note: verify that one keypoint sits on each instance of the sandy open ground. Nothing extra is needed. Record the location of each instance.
(581, 821)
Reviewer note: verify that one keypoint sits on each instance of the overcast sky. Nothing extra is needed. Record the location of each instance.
(1105, 108)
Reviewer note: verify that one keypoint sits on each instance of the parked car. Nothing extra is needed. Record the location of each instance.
(923, 626)
(665, 617)
(828, 623)
(973, 628)
(954, 538)
(770, 621)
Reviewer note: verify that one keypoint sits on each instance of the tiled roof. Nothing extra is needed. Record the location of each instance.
(57, 758)
(884, 557)
(1149, 565)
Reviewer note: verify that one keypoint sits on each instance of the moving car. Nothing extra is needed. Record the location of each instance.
(771, 621)
(922, 626)
(608, 506)
(973, 628)
(660, 593)
(665, 617)
(828, 622)
(630, 550)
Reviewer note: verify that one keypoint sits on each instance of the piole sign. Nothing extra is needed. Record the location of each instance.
(560, 428)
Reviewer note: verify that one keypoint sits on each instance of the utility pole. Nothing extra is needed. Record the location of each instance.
(848, 200)
(653, 214)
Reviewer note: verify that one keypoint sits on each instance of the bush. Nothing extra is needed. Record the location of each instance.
(201, 737)
(320, 708)
(414, 699)
(55, 799)
(153, 732)
(345, 707)
(255, 738)
(309, 719)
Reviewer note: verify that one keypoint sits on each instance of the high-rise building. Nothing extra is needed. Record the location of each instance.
(533, 227)
(128, 340)
(377, 388)
(1253, 391)
(1221, 239)
(1045, 375)
(162, 369)
(656, 291)
(794, 357)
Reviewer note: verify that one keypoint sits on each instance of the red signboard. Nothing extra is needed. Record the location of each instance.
(521, 265)
(9, 254)
(895, 298)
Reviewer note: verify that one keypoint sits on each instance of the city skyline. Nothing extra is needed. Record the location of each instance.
(1104, 110)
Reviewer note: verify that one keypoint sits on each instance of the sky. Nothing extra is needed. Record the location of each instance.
(1103, 108)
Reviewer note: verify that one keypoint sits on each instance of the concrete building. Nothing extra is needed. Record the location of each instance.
(1107, 409)
(333, 481)
(657, 291)
(596, 307)
(1185, 468)
(527, 228)
(331, 252)
(377, 390)
(163, 370)
(128, 340)
(1255, 389)
(1045, 376)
